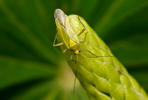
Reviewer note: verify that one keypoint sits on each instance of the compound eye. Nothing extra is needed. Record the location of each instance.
(77, 52)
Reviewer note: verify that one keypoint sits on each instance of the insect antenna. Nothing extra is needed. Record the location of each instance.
(75, 81)
(94, 55)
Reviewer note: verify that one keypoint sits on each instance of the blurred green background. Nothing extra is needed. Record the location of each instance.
(32, 69)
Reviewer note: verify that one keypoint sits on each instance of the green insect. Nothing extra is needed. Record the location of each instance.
(71, 38)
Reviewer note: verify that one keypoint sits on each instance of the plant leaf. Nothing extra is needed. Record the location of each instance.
(132, 52)
(24, 32)
(118, 10)
(15, 71)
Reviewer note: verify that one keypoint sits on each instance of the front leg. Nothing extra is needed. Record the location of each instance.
(57, 44)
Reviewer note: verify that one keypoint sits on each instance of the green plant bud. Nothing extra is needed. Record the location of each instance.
(98, 70)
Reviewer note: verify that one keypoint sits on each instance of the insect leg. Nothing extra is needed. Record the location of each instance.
(82, 25)
(64, 50)
(82, 30)
(84, 38)
(75, 79)
(71, 57)
(58, 44)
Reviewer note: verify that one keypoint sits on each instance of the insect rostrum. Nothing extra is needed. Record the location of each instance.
(99, 72)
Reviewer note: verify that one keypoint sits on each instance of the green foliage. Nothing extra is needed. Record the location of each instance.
(30, 68)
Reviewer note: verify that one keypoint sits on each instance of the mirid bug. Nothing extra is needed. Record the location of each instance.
(71, 37)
